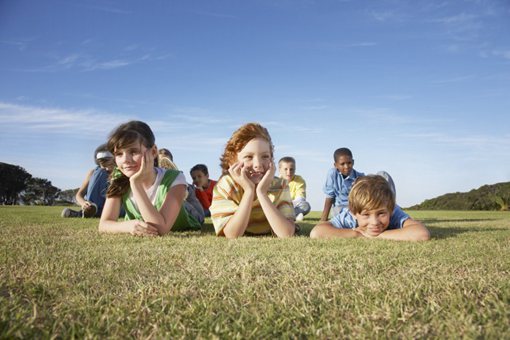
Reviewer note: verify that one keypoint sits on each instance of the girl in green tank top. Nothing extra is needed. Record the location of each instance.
(152, 197)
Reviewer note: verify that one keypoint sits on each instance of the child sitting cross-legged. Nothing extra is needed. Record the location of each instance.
(372, 213)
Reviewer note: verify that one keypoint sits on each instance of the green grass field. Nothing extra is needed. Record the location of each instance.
(60, 278)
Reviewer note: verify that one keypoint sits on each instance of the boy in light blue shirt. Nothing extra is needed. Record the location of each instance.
(372, 213)
(339, 182)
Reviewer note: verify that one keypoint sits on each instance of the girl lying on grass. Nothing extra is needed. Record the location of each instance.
(248, 199)
(152, 197)
(372, 213)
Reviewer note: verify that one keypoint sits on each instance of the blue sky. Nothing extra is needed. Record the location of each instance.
(418, 88)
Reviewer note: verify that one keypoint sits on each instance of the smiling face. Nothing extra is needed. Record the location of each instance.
(344, 164)
(373, 221)
(287, 170)
(129, 158)
(255, 157)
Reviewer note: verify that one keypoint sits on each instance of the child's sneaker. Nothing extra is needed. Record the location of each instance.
(300, 217)
(71, 213)
(90, 211)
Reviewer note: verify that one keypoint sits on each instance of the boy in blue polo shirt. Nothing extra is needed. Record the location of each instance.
(339, 181)
(373, 214)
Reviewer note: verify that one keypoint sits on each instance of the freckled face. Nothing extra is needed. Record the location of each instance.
(344, 164)
(287, 170)
(255, 157)
(374, 221)
(129, 159)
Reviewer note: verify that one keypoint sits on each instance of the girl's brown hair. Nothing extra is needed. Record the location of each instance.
(238, 141)
(123, 136)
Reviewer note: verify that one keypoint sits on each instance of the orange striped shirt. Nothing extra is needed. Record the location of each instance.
(227, 196)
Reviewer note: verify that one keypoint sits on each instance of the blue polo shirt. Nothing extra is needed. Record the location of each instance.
(345, 220)
(337, 187)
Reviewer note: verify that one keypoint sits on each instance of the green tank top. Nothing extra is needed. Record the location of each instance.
(184, 221)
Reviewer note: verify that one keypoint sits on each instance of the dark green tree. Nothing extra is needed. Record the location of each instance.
(39, 191)
(13, 180)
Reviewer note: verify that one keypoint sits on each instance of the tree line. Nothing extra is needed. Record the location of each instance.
(487, 197)
(17, 186)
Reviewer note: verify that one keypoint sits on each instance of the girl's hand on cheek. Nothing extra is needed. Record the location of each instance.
(146, 168)
(240, 175)
(265, 182)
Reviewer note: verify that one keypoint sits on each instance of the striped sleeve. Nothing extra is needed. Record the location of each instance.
(225, 201)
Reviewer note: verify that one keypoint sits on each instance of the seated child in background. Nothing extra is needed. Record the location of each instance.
(203, 186)
(92, 193)
(297, 186)
(191, 203)
(152, 197)
(248, 199)
(339, 181)
(166, 159)
(372, 213)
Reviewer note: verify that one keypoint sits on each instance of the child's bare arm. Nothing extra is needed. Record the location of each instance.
(109, 224)
(237, 224)
(412, 230)
(327, 230)
(82, 191)
(328, 202)
(280, 225)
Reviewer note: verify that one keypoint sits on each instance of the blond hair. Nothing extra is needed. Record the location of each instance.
(369, 193)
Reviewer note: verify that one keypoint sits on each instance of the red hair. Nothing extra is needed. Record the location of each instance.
(238, 141)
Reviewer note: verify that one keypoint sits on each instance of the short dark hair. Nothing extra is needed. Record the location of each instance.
(287, 159)
(341, 152)
(200, 167)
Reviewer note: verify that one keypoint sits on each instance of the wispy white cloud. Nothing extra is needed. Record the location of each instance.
(330, 45)
(384, 16)
(381, 116)
(315, 108)
(288, 126)
(470, 141)
(505, 54)
(462, 26)
(394, 97)
(56, 120)
(82, 62)
(457, 79)
(21, 44)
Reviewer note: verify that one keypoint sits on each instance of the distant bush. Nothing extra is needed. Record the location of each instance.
(487, 197)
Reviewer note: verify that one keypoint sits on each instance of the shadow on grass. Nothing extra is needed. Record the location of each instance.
(447, 232)
(439, 220)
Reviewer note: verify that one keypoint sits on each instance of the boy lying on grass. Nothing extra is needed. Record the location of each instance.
(372, 213)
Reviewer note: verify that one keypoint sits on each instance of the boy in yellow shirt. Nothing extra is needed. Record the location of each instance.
(297, 186)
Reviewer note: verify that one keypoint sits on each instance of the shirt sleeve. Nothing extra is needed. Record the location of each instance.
(226, 199)
(329, 185)
(180, 179)
(284, 201)
(300, 189)
(344, 220)
(398, 218)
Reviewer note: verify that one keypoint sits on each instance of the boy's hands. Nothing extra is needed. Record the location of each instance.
(239, 174)
(366, 232)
